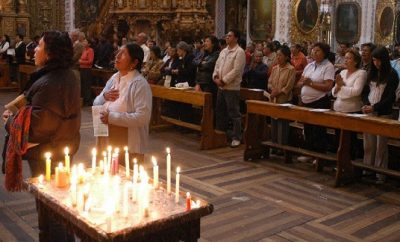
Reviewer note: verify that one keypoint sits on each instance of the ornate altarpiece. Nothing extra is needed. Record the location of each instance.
(162, 20)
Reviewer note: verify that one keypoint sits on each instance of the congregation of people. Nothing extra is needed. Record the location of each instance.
(362, 80)
(355, 80)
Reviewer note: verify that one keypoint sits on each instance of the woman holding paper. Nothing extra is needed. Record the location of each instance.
(127, 101)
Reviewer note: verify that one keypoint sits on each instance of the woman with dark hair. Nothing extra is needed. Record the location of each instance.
(49, 121)
(4, 45)
(378, 97)
(127, 101)
(316, 82)
(152, 69)
(280, 85)
(205, 69)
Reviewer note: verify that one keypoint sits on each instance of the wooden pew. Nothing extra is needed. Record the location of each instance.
(209, 137)
(257, 148)
(25, 71)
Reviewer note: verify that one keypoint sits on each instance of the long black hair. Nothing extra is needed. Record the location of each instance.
(136, 53)
(214, 42)
(380, 75)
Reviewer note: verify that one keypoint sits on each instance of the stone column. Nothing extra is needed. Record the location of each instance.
(220, 18)
(282, 21)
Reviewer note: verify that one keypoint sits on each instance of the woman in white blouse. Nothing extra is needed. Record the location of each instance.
(127, 101)
(347, 91)
(349, 85)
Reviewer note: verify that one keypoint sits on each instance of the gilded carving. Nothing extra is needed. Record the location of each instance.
(384, 22)
(304, 27)
(159, 18)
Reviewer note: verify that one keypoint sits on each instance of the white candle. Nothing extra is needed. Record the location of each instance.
(144, 193)
(168, 171)
(126, 200)
(178, 169)
(40, 179)
(48, 166)
(135, 180)
(73, 190)
(127, 171)
(155, 172)
(117, 193)
(67, 160)
(105, 158)
(109, 214)
(101, 165)
(94, 154)
(135, 171)
(109, 150)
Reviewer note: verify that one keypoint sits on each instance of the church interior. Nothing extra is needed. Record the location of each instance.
(302, 144)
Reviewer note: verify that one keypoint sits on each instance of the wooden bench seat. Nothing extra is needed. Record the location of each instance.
(255, 143)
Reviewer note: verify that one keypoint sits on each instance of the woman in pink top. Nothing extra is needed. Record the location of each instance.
(85, 66)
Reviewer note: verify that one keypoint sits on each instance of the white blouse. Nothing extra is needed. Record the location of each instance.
(121, 83)
(348, 99)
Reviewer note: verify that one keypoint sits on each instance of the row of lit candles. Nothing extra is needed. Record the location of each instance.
(106, 166)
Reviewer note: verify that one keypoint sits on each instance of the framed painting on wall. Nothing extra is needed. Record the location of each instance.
(348, 24)
(386, 21)
(397, 28)
(262, 16)
(306, 15)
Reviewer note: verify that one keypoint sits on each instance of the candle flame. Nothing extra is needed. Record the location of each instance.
(116, 150)
(168, 150)
(94, 151)
(178, 169)
(104, 153)
(66, 151)
(126, 148)
(60, 165)
(187, 194)
(153, 159)
(47, 155)
(135, 160)
(109, 148)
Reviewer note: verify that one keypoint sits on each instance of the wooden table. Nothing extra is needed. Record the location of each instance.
(179, 226)
(346, 123)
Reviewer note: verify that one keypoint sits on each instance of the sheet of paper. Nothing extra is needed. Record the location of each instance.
(99, 128)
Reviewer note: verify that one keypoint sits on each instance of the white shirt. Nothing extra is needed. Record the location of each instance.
(122, 85)
(317, 73)
(348, 99)
(375, 93)
(146, 52)
(5, 47)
